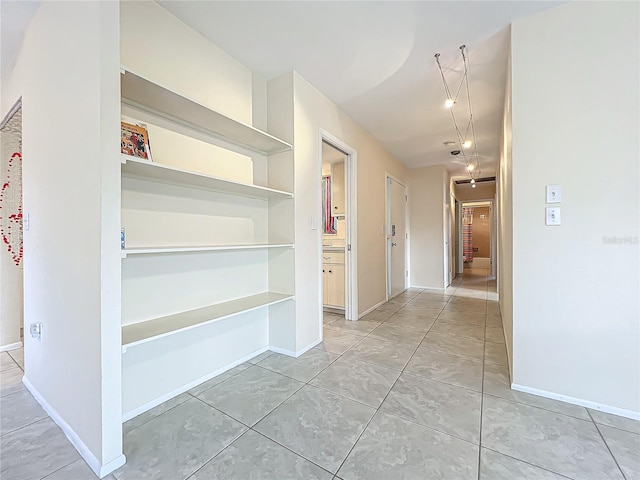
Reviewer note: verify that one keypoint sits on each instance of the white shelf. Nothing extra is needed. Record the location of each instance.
(157, 172)
(142, 332)
(204, 248)
(146, 95)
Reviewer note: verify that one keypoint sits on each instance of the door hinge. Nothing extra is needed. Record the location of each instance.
(349, 248)
(406, 198)
(406, 236)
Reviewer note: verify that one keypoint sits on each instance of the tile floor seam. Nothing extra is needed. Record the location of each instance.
(449, 353)
(536, 406)
(220, 452)
(440, 381)
(617, 428)
(266, 414)
(414, 422)
(606, 444)
(356, 442)
(527, 462)
(58, 469)
(289, 449)
(23, 426)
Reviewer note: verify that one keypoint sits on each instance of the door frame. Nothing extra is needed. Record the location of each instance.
(493, 239)
(387, 236)
(351, 212)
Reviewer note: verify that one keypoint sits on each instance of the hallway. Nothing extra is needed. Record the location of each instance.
(417, 389)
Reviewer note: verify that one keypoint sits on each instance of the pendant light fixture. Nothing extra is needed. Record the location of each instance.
(466, 139)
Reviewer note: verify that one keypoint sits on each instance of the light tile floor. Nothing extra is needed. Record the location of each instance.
(417, 389)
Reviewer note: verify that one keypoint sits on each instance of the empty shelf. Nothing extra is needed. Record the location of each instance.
(142, 332)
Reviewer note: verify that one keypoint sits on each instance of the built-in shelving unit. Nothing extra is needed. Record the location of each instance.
(208, 272)
(149, 330)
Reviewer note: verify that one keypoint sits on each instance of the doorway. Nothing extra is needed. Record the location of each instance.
(477, 235)
(338, 232)
(11, 254)
(396, 195)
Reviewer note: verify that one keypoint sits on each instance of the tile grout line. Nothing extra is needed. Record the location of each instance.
(606, 444)
(528, 463)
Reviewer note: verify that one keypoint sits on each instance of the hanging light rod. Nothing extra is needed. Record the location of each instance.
(466, 140)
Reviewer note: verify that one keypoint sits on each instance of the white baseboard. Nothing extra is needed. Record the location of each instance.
(372, 308)
(436, 289)
(621, 412)
(174, 393)
(10, 346)
(297, 353)
(76, 441)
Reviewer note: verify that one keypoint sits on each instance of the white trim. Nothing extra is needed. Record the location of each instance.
(297, 353)
(437, 289)
(351, 237)
(76, 441)
(167, 396)
(373, 308)
(10, 346)
(621, 412)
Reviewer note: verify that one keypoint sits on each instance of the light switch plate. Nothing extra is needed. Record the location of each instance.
(554, 194)
(553, 216)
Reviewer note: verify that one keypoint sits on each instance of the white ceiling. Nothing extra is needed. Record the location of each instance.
(374, 59)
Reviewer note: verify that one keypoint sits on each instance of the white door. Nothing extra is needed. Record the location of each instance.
(396, 237)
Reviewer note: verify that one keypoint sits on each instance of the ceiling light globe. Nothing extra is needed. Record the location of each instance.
(473, 185)
(473, 181)
(470, 168)
(467, 144)
(448, 103)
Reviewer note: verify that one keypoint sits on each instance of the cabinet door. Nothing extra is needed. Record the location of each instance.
(338, 200)
(325, 285)
(336, 285)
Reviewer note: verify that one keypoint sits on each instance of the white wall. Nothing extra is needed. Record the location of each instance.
(427, 209)
(158, 46)
(575, 106)
(71, 264)
(312, 112)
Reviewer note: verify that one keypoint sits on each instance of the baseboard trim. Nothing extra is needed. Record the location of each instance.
(372, 308)
(296, 353)
(76, 441)
(621, 412)
(437, 289)
(174, 393)
(10, 346)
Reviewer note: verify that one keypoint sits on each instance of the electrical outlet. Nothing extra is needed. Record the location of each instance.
(36, 330)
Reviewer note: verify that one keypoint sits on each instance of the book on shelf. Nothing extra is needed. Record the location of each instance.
(134, 141)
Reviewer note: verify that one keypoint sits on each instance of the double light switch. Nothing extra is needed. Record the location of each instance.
(554, 195)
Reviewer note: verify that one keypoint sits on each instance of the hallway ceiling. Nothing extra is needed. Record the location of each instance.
(375, 60)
